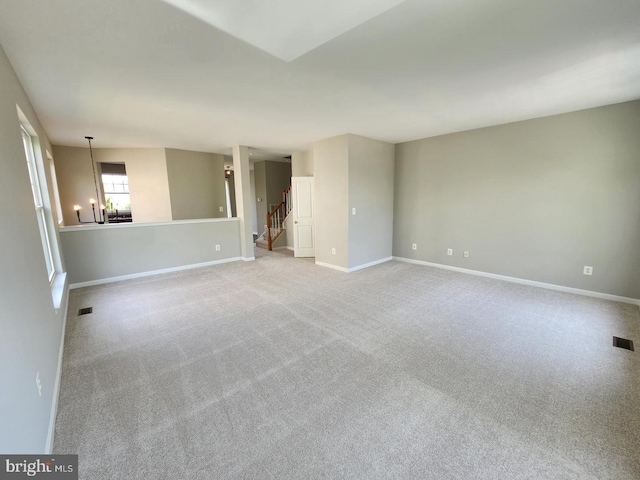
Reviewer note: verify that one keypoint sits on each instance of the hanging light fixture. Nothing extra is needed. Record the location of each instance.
(101, 212)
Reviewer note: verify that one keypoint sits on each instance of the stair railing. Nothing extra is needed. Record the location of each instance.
(277, 216)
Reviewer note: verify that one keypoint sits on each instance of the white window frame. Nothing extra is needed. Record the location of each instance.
(125, 187)
(227, 197)
(54, 185)
(36, 190)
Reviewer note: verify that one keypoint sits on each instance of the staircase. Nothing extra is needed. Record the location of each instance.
(275, 221)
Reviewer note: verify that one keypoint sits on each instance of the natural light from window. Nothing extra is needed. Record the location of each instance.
(39, 204)
(116, 192)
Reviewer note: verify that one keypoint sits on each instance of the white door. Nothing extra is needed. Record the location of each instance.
(304, 235)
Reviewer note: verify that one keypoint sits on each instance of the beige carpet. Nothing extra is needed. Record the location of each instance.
(282, 369)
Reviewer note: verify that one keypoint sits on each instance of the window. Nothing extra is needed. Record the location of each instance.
(228, 197)
(115, 185)
(54, 184)
(116, 191)
(27, 141)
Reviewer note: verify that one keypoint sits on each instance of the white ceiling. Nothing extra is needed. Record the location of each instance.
(286, 29)
(144, 73)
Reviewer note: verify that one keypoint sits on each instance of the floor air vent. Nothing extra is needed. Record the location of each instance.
(623, 343)
(84, 311)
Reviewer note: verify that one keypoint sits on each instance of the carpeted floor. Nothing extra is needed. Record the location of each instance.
(280, 369)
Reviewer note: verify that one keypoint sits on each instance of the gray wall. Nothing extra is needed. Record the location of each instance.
(353, 172)
(371, 170)
(31, 330)
(100, 252)
(196, 184)
(148, 181)
(271, 179)
(75, 182)
(537, 200)
(278, 177)
(331, 202)
(165, 184)
(146, 171)
(260, 178)
(254, 213)
(302, 164)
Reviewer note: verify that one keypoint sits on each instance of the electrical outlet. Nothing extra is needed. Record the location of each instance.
(466, 254)
(217, 248)
(353, 211)
(333, 251)
(38, 384)
(588, 270)
(449, 251)
(414, 246)
(221, 209)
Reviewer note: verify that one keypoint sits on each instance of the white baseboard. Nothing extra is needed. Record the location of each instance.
(370, 264)
(246, 259)
(334, 267)
(156, 272)
(282, 248)
(522, 281)
(355, 269)
(48, 449)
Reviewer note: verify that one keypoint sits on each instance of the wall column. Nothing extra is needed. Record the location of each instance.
(243, 199)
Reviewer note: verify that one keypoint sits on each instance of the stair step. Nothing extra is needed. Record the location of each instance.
(262, 243)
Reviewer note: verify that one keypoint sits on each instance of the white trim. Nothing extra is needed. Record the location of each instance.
(247, 259)
(152, 272)
(282, 248)
(48, 449)
(57, 289)
(335, 267)
(370, 264)
(355, 269)
(111, 226)
(522, 281)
